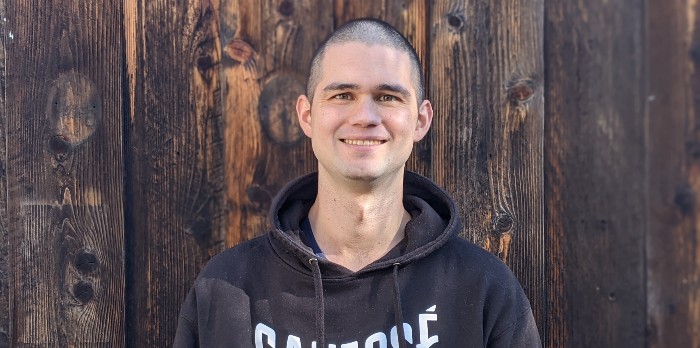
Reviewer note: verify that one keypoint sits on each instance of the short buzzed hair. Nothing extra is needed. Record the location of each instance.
(369, 31)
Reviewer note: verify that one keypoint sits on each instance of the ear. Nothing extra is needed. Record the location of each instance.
(304, 114)
(425, 119)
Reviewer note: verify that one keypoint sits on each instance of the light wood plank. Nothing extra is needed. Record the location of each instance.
(267, 51)
(175, 196)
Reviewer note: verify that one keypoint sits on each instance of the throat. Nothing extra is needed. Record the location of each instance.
(357, 238)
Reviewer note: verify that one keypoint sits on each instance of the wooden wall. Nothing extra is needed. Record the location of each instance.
(139, 138)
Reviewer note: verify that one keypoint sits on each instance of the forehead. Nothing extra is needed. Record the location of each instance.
(357, 62)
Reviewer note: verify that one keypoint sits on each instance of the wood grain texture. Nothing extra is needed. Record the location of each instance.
(595, 172)
(486, 85)
(64, 173)
(673, 251)
(267, 48)
(410, 17)
(4, 232)
(175, 196)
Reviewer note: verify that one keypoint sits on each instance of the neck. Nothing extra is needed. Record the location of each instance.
(357, 224)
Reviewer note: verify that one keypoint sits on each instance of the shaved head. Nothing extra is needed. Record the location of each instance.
(370, 32)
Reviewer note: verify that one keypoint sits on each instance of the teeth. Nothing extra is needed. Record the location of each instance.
(362, 142)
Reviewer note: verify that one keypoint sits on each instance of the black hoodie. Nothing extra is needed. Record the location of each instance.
(273, 291)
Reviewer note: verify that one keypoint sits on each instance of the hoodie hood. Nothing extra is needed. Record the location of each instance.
(433, 289)
(434, 220)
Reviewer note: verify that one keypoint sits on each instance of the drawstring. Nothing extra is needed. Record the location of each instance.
(398, 314)
(320, 310)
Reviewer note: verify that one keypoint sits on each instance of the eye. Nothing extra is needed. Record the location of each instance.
(387, 98)
(342, 96)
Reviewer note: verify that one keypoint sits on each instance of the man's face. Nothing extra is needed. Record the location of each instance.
(364, 118)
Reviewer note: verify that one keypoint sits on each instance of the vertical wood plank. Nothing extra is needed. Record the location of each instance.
(267, 49)
(673, 251)
(486, 76)
(64, 173)
(410, 17)
(4, 236)
(595, 172)
(176, 212)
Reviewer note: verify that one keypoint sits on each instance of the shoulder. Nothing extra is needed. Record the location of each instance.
(480, 273)
(477, 261)
(237, 259)
(507, 311)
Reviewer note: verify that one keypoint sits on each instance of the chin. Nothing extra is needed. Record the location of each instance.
(367, 175)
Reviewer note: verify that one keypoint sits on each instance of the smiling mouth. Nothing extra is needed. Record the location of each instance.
(363, 142)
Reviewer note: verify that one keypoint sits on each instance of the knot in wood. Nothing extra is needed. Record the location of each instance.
(455, 20)
(685, 199)
(74, 107)
(286, 8)
(259, 196)
(83, 292)
(60, 147)
(276, 108)
(504, 223)
(85, 262)
(521, 91)
(693, 148)
(695, 54)
(205, 62)
(239, 51)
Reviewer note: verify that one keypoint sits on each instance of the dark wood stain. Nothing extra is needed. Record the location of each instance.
(64, 173)
(595, 173)
(673, 101)
(5, 267)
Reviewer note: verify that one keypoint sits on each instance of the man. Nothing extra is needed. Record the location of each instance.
(362, 253)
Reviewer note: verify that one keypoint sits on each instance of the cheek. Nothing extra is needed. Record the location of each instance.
(404, 124)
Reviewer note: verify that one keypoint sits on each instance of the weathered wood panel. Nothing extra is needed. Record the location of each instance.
(175, 194)
(486, 70)
(673, 251)
(595, 172)
(64, 173)
(267, 48)
(4, 236)
(410, 17)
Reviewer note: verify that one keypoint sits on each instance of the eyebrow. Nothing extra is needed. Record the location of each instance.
(394, 88)
(340, 86)
(336, 86)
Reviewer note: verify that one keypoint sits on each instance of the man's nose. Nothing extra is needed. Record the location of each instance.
(366, 114)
